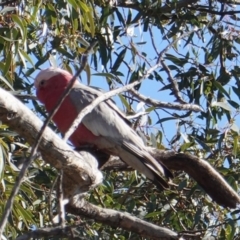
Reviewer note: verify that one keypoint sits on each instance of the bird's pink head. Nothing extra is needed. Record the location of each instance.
(49, 81)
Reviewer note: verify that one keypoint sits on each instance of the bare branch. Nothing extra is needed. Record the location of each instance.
(61, 209)
(168, 71)
(120, 219)
(106, 216)
(223, 13)
(155, 103)
(160, 11)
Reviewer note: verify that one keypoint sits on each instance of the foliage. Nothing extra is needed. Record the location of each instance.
(203, 61)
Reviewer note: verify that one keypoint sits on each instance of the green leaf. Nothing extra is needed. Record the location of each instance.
(7, 64)
(220, 88)
(25, 214)
(235, 145)
(91, 22)
(6, 82)
(153, 214)
(223, 105)
(108, 75)
(20, 22)
(73, 3)
(119, 60)
(203, 144)
(2, 163)
(176, 60)
(88, 72)
(185, 146)
(65, 53)
(23, 55)
(124, 101)
(84, 7)
(165, 119)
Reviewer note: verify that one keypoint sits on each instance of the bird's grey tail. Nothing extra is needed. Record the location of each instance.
(160, 182)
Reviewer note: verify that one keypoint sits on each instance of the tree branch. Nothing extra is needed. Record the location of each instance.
(120, 219)
(204, 174)
(200, 170)
(156, 103)
(80, 169)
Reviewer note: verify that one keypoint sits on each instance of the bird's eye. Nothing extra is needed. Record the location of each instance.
(42, 83)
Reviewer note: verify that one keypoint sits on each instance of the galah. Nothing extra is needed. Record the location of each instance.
(105, 127)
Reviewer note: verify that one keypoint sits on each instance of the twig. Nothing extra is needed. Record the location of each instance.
(168, 71)
(61, 208)
(153, 41)
(224, 13)
(50, 200)
(155, 103)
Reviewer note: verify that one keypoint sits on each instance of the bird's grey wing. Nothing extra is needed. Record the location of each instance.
(90, 93)
(104, 121)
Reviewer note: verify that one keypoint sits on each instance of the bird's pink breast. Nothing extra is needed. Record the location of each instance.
(65, 116)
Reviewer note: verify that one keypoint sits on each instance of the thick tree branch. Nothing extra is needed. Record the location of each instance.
(204, 174)
(106, 216)
(80, 169)
(120, 219)
(200, 170)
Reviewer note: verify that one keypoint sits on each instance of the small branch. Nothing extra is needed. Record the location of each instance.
(120, 219)
(50, 205)
(61, 207)
(49, 232)
(224, 13)
(153, 40)
(174, 83)
(155, 103)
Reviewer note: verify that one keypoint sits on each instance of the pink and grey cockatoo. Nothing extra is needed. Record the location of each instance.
(104, 128)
